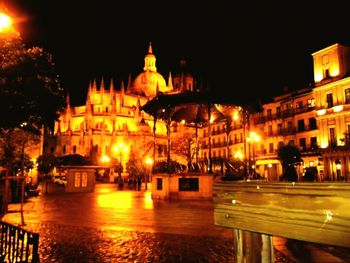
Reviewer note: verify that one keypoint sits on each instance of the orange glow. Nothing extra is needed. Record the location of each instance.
(105, 159)
(238, 155)
(148, 202)
(338, 108)
(335, 72)
(115, 200)
(253, 137)
(148, 161)
(321, 112)
(5, 22)
(120, 147)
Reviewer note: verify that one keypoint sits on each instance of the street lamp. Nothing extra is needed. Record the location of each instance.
(149, 163)
(121, 149)
(252, 139)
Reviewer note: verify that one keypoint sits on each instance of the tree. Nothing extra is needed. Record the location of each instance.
(31, 98)
(30, 90)
(289, 156)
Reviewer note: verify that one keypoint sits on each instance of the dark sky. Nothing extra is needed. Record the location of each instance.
(252, 49)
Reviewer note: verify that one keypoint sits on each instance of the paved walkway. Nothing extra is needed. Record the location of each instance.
(111, 225)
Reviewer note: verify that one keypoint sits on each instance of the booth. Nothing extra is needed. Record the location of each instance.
(80, 179)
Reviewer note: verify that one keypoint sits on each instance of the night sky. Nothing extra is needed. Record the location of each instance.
(253, 50)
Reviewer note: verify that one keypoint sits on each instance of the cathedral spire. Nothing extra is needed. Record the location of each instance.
(150, 51)
(122, 92)
(102, 86)
(68, 101)
(94, 86)
(170, 81)
(150, 60)
(111, 87)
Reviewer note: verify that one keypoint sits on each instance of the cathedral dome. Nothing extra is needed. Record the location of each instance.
(147, 82)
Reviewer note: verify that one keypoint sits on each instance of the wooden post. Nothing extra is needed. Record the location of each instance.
(252, 247)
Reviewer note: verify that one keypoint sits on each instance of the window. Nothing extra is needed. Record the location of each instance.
(302, 143)
(159, 183)
(312, 124)
(329, 100)
(299, 105)
(332, 137)
(279, 128)
(290, 126)
(271, 147)
(301, 125)
(269, 130)
(269, 114)
(189, 184)
(64, 149)
(347, 95)
(278, 111)
(313, 142)
(74, 149)
(311, 103)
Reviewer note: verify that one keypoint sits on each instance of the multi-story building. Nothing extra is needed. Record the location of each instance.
(332, 101)
(289, 119)
(315, 119)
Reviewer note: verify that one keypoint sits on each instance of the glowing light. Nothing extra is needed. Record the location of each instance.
(238, 155)
(114, 200)
(148, 161)
(253, 136)
(233, 202)
(338, 166)
(183, 122)
(235, 116)
(318, 77)
(269, 165)
(148, 201)
(328, 215)
(321, 112)
(334, 72)
(312, 163)
(105, 159)
(5, 22)
(324, 145)
(338, 108)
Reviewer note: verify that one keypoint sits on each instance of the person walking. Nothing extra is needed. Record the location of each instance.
(139, 183)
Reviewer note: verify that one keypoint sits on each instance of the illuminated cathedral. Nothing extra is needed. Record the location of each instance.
(111, 123)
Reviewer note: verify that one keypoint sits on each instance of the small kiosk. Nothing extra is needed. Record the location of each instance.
(80, 178)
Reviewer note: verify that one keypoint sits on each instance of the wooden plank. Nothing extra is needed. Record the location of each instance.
(313, 212)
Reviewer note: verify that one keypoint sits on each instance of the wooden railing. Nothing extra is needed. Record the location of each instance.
(18, 245)
(258, 210)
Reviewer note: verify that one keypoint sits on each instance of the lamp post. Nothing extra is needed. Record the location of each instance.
(149, 163)
(120, 149)
(252, 139)
(5, 33)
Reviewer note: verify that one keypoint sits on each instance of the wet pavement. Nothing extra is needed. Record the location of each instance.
(111, 225)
